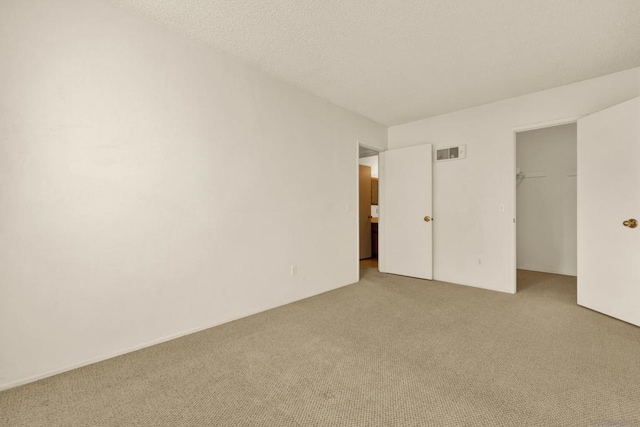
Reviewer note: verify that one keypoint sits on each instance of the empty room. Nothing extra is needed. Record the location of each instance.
(314, 213)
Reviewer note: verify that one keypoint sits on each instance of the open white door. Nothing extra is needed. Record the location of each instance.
(406, 230)
(608, 198)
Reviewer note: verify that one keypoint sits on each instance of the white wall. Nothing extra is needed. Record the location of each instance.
(468, 193)
(132, 165)
(372, 162)
(546, 213)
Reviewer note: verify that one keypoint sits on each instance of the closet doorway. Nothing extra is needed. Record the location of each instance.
(546, 209)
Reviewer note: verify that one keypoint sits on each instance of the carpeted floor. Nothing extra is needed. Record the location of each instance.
(387, 351)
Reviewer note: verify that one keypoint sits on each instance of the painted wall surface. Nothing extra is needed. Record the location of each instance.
(469, 194)
(546, 209)
(132, 163)
(372, 162)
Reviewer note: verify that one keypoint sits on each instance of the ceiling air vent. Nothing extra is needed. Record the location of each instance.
(451, 153)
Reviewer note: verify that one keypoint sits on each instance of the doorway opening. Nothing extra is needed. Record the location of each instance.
(546, 209)
(368, 208)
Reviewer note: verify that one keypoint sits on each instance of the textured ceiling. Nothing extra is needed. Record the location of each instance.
(395, 61)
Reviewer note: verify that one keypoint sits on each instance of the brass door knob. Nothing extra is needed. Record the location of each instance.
(427, 218)
(631, 223)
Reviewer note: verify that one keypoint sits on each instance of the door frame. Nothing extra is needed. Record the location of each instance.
(359, 143)
(516, 131)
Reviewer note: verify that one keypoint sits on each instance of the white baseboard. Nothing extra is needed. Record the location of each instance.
(111, 355)
(561, 272)
(51, 373)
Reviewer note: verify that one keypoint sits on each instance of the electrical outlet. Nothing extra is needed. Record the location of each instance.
(480, 262)
(294, 270)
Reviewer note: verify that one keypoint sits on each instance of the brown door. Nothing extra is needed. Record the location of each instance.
(364, 210)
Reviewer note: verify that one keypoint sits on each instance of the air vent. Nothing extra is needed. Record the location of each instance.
(451, 153)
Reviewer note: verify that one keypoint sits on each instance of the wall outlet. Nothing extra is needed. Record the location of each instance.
(480, 262)
(294, 270)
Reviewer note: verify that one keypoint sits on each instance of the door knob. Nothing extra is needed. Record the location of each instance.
(427, 218)
(631, 223)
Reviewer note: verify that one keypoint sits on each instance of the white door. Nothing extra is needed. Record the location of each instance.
(405, 224)
(608, 199)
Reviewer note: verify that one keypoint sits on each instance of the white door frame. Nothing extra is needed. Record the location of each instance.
(516, 131)
(357, 201)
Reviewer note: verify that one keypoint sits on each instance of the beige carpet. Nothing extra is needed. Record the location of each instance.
(387, 351)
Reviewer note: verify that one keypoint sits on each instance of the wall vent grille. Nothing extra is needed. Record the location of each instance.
(451, 153)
